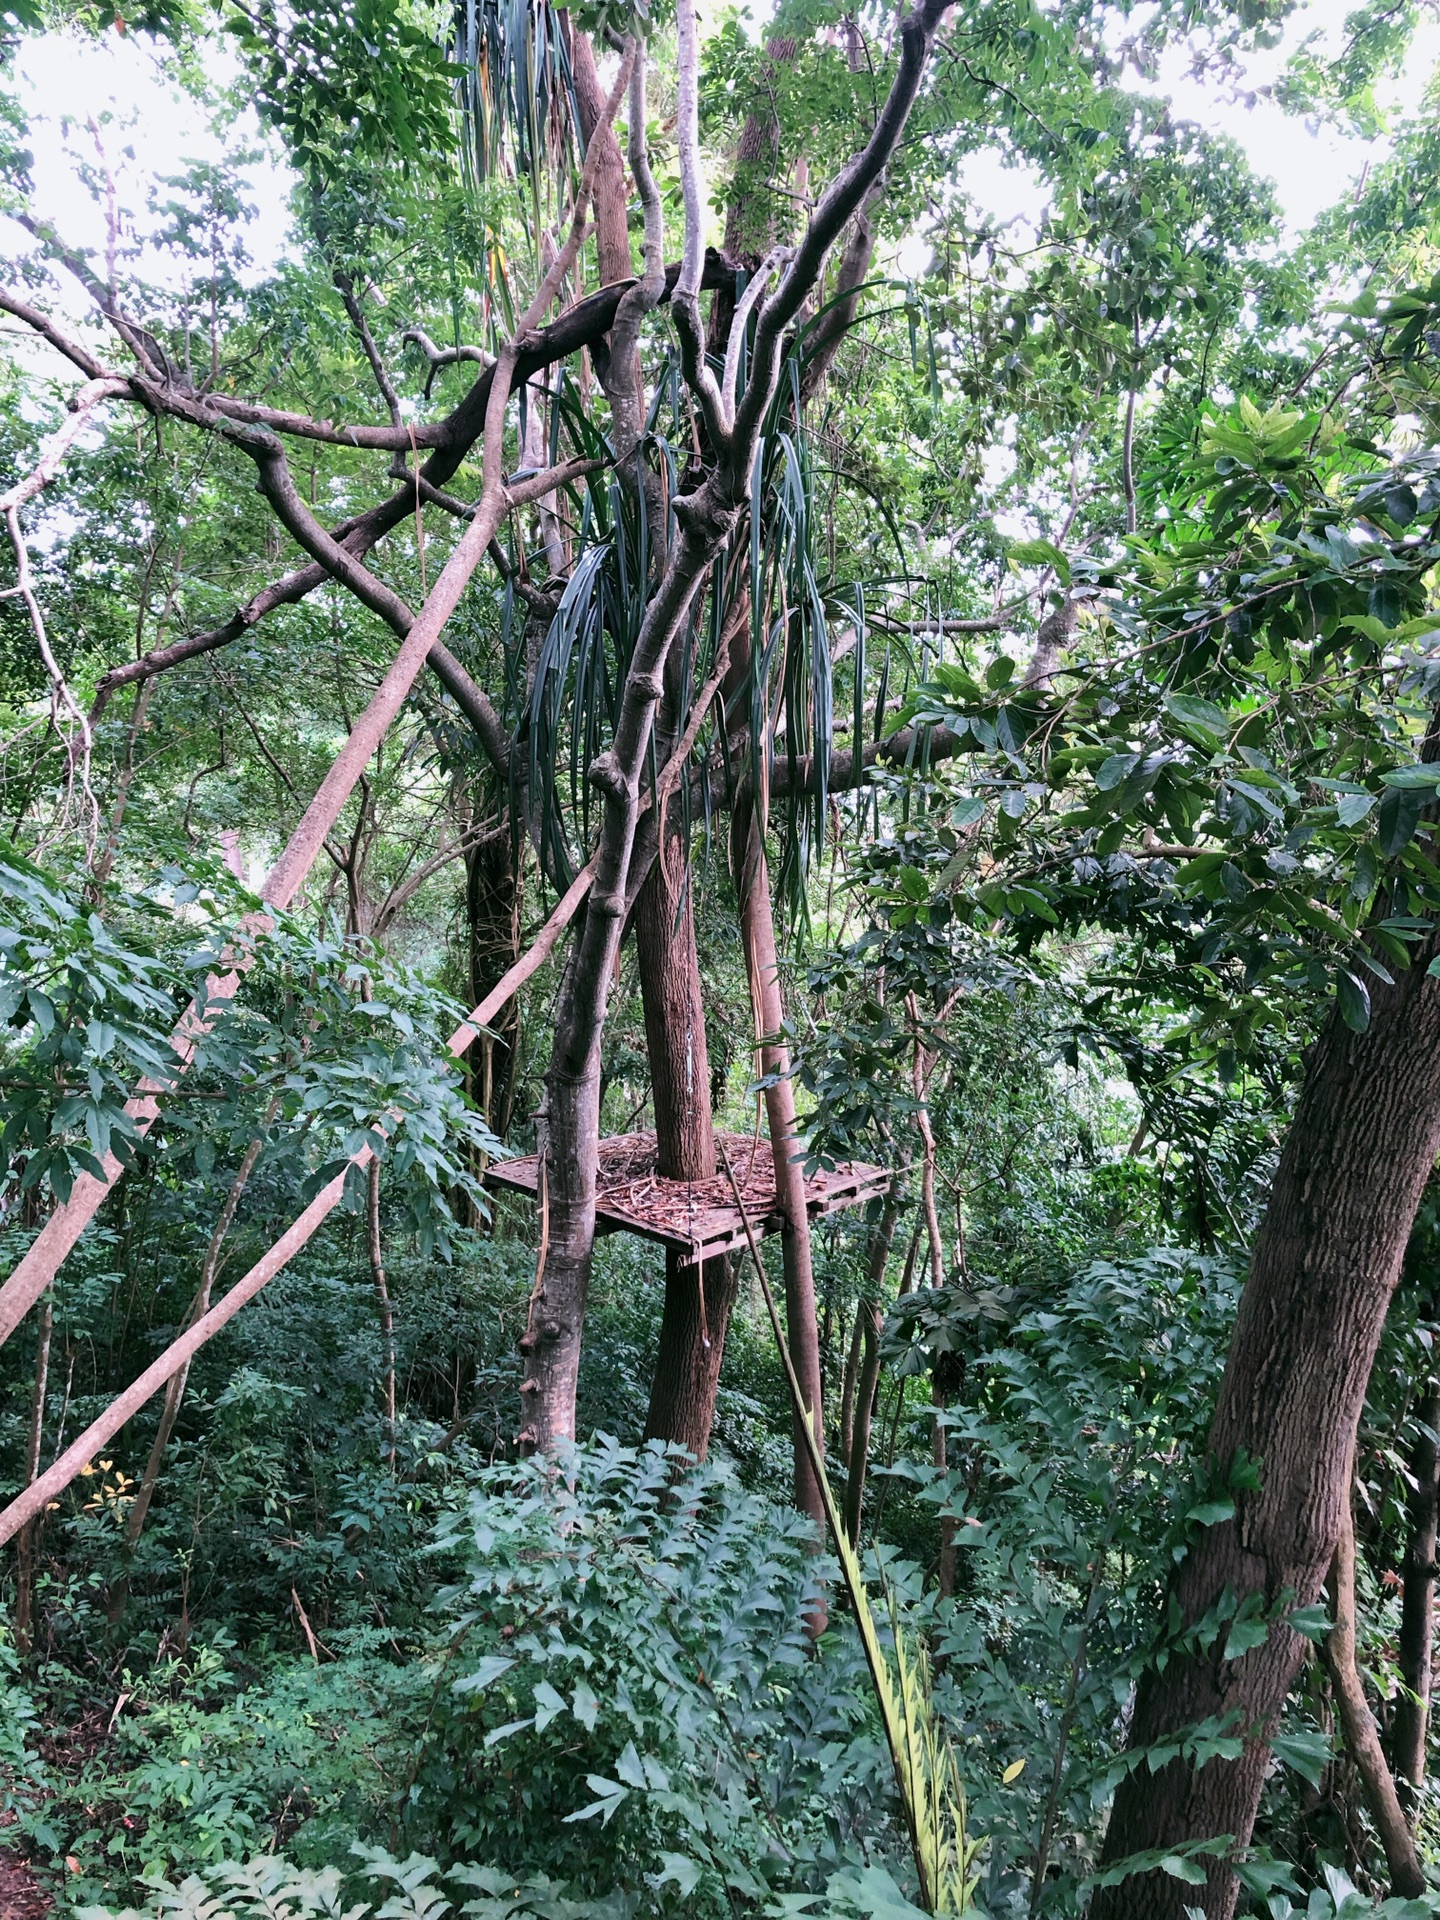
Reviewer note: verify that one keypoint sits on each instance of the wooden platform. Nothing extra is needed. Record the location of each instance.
(699, 1219)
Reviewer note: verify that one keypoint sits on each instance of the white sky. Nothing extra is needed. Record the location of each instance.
(1311, 165)
(151, 128)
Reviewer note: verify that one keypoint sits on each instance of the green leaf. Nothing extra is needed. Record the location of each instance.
(629, 1768)
(584, 1705)
(609, 1794)
(1111, 772)
(680, 1868)
(488, 1671)
(1179, 1868)
(1313, 1622)
(547, 1704)
(1210, 1513)
(1351, 808)
(1367, 624)
(1245, 1635)
(1306, 1752)
(1400, 811)
(1354, 998)
(1424, 776)
(1198, 716)
(497, 1734)
(1039, 553)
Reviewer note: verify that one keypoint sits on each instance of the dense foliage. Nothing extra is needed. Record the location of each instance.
(1077, 643)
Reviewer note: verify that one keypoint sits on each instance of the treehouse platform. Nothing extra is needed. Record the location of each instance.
(698, 1218)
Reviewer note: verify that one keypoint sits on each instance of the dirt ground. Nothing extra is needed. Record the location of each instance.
(20, 1895)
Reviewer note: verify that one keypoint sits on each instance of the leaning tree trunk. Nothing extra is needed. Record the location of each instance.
(1412, 1708)
(697, 1307)
(29, 1533)
(1326, 1261)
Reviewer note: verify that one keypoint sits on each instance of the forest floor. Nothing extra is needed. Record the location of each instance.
(21, 1897)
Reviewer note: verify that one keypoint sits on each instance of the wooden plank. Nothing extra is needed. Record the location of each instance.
(710, 1229)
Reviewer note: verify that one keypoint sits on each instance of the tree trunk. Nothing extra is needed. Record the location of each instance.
(850, 1379)
(704, 521)
(612, 230)
(383, 1308)
(1412, 1708)
(696, 1313)
(492, 923)
(1362, 1736)
(25, 1545)
(870, 1317)
(1328, 1255)
(762, 960)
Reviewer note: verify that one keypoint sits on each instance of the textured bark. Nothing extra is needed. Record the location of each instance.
(849, 1380)
(696, 1314)
(750, 209)
(550, 1345)
(750, 219)
(1412, 1708)
(1362, 1736)
(1326, 1261)
(692, 1348)
(612, 232)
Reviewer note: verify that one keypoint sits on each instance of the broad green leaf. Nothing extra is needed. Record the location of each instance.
(1351, 808)
(1307, 1752)
(1198, 716)
(485, 1673)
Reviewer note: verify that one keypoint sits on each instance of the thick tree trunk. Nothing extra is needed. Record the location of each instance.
(612, 230)
(696, 1313)
(1412, 1708)
(705, 520)
(1362, 1144)
(762, 959)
